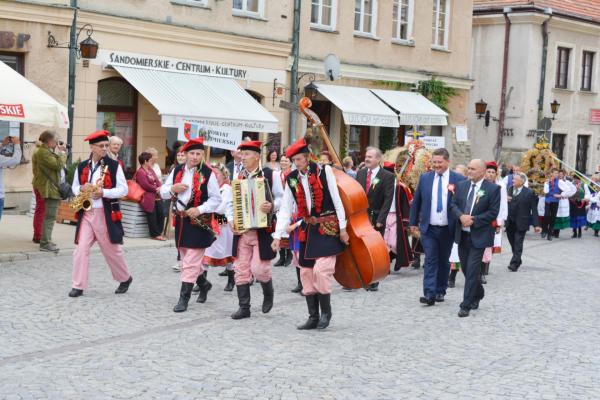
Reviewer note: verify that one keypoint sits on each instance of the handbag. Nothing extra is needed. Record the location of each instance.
(64, 189)
(135, 191)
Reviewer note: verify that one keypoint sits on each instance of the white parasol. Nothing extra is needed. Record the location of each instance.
(22, 101)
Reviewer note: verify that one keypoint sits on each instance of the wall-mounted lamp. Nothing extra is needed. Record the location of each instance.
(482, 112)
(87, 49)
(554, 106)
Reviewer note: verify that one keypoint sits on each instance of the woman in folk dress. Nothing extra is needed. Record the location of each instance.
(219, 253)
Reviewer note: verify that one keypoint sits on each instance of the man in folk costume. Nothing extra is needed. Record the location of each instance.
(102, 222)
(252, 249)
(491, 175)
(578, 203)
(379, 185)
(313, 190)
(396, 226)
(195, 194)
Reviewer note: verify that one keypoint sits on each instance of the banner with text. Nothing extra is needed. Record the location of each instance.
(220, 137)
(431, 142)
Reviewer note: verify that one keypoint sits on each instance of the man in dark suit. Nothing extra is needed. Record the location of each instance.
(379, 185)
(235, 166)
(476, 205)
(522, 208)
(429, 215)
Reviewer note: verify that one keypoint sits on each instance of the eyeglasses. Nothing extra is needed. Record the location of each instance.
(103, 146)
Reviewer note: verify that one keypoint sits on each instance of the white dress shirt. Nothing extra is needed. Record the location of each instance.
(288, 202)
(476, 189)
(120, 189)
(439, 218)
(214, 192)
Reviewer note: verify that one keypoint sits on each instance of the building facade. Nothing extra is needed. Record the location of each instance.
(569, 74)
(381, 44)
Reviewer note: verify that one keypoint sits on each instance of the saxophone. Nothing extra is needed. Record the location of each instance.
(83, 201)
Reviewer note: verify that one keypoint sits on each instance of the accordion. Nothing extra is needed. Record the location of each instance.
(248, 195)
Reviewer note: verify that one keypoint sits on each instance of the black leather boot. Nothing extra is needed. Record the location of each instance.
(312, 302)
(281, 260)
(298, 288)
(288, 258)
(574, 233)
(204, 286)
(325, 302)
(230, 280)
(243, 292)
(452, 278)
(268, 294)
(184, 296)
(223, 273)
(579, 232)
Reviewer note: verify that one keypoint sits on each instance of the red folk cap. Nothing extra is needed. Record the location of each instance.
(390, 166)
(193, 144)
(98, 136)
(298, 147)
(254, 145)
(491, 165)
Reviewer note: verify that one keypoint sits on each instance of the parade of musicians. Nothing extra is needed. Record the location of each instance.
(325, 199)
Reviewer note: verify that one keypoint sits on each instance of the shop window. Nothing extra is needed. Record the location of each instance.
(358, 141)
(387, 138)
(365, 17)
(441, 12)
(323, 13)
(249, 8)
(402, 19)
(11, 128)
(117, 113)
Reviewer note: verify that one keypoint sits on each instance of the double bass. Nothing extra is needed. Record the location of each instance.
(366, 259)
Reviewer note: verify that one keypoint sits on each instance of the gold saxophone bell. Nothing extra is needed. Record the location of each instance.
(86, 205)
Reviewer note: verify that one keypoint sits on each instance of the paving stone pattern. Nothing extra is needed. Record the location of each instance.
(535, 336)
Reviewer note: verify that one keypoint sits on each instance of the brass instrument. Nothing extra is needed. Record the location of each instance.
(248, 195)
(83, 201)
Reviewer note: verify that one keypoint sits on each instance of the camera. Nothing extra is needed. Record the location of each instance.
(9, 149)
(61, 143)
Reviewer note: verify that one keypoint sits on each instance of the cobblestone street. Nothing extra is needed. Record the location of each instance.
(535, 335)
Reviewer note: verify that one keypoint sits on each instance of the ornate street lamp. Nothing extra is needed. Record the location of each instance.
(87, 49)
(554, 106)
(480, 108)
(311, 90)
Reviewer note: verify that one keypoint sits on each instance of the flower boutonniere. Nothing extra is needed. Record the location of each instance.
(480, 193)
(451, 188)
(374, 183)
(293, 183)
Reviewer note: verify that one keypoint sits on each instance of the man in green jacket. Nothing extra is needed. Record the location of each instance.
(47, 161)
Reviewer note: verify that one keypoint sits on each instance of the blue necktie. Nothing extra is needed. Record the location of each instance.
(440, 207)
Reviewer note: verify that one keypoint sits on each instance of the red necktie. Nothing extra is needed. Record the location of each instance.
(368, 185)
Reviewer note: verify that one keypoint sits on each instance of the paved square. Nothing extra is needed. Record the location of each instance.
(535, 336)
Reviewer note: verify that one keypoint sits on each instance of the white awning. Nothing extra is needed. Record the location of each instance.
(359, 106)
(22, 101)
(216, 101)
(413, 108)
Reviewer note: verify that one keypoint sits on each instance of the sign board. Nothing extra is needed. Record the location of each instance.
(462, 133)
(227, 138)
(431, 142)
(595, 117)
(114, 57)
(12, 110)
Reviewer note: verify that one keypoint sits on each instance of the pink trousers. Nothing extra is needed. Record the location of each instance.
(93, 229)
(319, 278)
(191, 264)
(248, 262)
